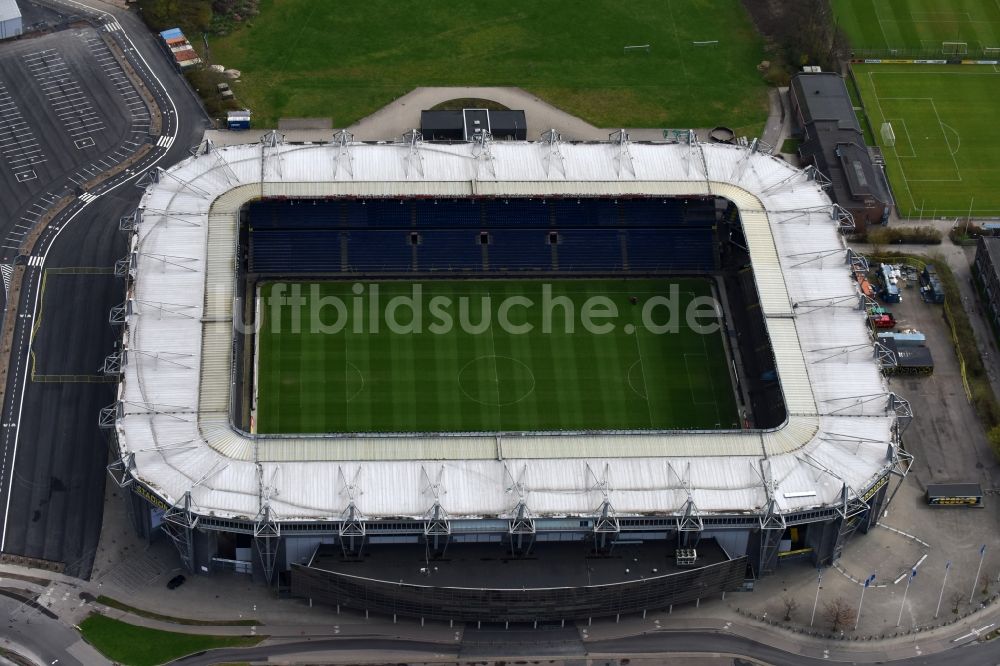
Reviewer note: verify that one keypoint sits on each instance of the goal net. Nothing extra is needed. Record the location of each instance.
(888, 136)
(991, 51)
(954, 48)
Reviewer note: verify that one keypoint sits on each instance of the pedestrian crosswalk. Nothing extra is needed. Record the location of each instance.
(87, 197)
(165, 141)
(36, 260)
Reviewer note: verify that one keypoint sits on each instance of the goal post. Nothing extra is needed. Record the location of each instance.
(954, 48)
(888, 135)
(711, 43)
(637, 48)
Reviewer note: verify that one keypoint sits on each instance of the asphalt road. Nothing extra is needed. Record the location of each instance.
(52, 453)
(34, 635)
(665, 643)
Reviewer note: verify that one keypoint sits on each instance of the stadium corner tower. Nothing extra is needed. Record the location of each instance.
(477, 521)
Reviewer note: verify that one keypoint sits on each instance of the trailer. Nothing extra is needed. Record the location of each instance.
(955, 494)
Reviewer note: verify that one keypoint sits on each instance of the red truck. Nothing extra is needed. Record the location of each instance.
(884, 320)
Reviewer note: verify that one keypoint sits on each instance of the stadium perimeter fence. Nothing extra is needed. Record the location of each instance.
(926, 53)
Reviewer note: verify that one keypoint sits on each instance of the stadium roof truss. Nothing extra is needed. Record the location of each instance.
(172, 416)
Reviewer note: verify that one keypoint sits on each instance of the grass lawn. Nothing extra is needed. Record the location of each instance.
(920, 24)
(495, 378)
(947, 137)
(138, 646)
(347, 59)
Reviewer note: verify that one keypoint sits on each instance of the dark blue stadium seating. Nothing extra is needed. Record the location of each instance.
(664, 249)
(303, 250)
(590, 250)
(449, 250)
(519, 250)
(372, 250)
(282, 214)
(374, 235)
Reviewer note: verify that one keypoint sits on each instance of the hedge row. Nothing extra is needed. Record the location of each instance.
(903, 236)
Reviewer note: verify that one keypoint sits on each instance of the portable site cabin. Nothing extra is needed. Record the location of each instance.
(465, 124)
(238, 120)
(10, 19)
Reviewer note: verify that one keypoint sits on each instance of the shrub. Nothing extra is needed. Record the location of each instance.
(204, 82)
(193, 17)
(904, 235)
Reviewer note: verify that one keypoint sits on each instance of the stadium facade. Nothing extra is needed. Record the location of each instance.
(300, 510)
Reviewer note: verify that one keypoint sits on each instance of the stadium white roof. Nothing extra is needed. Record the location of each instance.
(9, 10)
(172, 420)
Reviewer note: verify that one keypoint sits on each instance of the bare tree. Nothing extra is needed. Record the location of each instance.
(791, 605)
(956, 600)
(839, 613)
(806, 31)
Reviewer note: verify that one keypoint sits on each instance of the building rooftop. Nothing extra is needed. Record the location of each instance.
(992, 245)
(840, 154)
(824, 96)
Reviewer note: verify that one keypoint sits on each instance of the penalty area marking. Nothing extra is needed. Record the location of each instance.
(958, 139)
(631, 384)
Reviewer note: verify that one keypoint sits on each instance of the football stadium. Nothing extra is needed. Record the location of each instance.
(497, 381)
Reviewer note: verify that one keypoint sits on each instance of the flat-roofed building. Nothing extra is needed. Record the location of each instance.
(832, 142)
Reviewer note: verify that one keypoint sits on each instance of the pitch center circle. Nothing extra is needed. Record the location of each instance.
(496, 381)
(354, 381)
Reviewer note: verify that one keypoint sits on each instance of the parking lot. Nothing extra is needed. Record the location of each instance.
(67, 113)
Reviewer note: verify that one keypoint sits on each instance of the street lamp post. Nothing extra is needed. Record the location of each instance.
(819, 580)
(913, 573)
(947, 569)
(868, 581)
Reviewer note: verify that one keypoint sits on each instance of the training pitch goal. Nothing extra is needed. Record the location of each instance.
(888, 135)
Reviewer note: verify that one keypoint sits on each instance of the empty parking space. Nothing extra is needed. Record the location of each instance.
(68, 114)
(19, 149)
(64, 94)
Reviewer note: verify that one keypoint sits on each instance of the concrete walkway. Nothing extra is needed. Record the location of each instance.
(62, 596)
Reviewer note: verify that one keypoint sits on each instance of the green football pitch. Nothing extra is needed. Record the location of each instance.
(943, 161)
(941, 27)
(345, 60)
(360, 377)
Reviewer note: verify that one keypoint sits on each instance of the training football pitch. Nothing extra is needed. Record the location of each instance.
(942, 27)
(345, 60)
(944, 161)
(487, 371)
